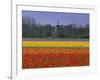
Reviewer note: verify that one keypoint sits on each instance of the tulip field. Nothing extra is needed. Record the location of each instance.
(48, 54)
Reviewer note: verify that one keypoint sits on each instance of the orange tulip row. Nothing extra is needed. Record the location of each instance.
(54, 57)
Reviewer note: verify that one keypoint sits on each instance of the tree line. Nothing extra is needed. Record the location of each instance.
(32, 29)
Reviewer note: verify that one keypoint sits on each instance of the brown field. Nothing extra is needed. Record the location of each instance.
(54, 57)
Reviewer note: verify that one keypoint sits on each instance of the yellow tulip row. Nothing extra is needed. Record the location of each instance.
(54, 44)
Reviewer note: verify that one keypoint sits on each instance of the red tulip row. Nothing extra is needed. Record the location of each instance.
(54, 57)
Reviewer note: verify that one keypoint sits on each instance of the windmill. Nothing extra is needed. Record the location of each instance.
(54, 33)
(57, 26)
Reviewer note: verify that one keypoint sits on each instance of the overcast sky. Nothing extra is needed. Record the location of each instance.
(52, 17)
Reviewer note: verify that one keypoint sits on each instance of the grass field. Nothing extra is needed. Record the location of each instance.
(56, 39)
(43, 54)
